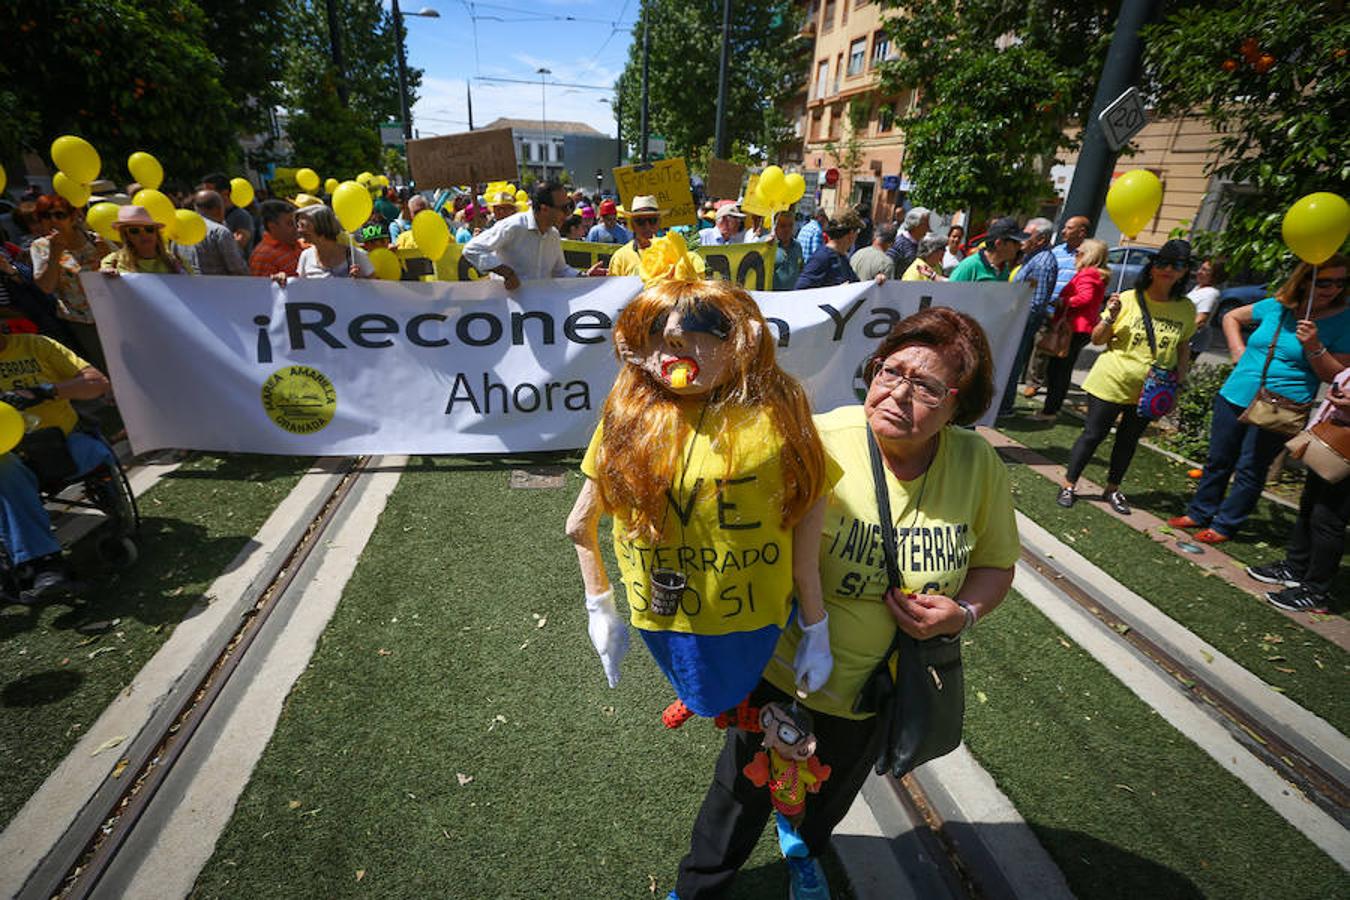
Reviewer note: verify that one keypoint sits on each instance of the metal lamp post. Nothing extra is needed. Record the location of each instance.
(425, 12)
(543, 114)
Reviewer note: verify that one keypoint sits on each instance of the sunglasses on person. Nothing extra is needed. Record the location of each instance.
(646, 221)
(137, 230)
(54, 214)
(1172, 264)
(1329, 282)
(787, 731)
(927, 391)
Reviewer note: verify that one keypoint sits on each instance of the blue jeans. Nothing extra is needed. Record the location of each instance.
(1034, 323)
(1242, 453)
(25, 527)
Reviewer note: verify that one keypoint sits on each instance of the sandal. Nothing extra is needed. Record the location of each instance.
(1209, 536)
(1183, 522)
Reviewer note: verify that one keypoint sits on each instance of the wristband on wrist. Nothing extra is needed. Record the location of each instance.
(971, 615)
(1318, 352)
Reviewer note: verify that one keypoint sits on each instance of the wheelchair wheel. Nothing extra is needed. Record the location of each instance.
(117, 550)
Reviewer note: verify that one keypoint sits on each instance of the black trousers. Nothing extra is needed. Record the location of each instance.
(1059, 372)
(1318, 540)
(1100, 417)
(734, 811)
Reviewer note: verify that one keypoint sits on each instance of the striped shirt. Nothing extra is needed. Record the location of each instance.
(272, 256)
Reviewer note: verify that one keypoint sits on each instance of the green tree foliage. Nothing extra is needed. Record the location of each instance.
(998, 82)
(1274, 81)
(685, 41)
(324, 135)
(126, 76)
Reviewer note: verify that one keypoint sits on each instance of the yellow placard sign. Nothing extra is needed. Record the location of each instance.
(749, 265)
(667, 180)
(752, 202)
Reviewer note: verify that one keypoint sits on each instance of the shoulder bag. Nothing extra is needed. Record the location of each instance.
(1058, 335)
(1271, 411)
(1158, 396)
(921, 711)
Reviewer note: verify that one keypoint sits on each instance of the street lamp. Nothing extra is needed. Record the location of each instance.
(425, 12)
(543, 113)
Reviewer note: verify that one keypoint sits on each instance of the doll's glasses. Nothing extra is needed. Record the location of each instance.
(787, 732)
(699, 316)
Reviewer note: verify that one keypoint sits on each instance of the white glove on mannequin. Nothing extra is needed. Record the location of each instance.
(609, 633)
(814, 661)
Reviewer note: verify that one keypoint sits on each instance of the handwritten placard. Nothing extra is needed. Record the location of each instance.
(724, 179)
(471, 158)
(667, 180)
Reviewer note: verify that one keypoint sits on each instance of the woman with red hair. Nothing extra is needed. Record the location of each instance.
(65, 249)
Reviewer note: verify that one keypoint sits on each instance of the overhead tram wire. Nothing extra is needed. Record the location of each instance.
(535, 13)
(584, 87)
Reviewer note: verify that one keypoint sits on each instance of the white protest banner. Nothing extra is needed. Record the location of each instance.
(342, 367)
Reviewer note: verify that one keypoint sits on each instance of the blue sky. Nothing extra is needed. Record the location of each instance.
(514, 39)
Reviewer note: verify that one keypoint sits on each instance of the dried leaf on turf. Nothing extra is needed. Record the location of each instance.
(1126, 787)
(1065, 644)
(1271, 639)
(294, 804)
(1286, 671)
(383, 652)
(109, 744)
(101, 650)
(543, 620)
(360, 873)
(463, 779)
(982, 696)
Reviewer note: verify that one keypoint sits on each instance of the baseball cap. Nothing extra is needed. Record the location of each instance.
(1175, 250)
(1006, 229)
(374, 231)
(608, 208)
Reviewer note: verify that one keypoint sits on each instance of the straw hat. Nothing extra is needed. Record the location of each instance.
(646, 203)
(135, 215)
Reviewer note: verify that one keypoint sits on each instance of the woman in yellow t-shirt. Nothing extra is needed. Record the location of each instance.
(1117, 377)
(956, 546)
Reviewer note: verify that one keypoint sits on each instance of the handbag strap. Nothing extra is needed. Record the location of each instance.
(1142, 302)
(887, 530)
(1270, 351)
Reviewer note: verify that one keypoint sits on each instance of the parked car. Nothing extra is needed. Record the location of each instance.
(1127, 262)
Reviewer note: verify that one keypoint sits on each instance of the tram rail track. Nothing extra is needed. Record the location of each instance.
(89, 847)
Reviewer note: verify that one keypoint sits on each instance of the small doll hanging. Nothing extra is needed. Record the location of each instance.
(787, 765)
(708, 462)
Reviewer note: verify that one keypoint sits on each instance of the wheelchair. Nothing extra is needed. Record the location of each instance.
(104, 489)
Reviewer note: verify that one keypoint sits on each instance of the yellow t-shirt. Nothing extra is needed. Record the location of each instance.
(28, 360)
(956, 517)
(1119, 372)
(919, 271)
(723, 530)
(624, 261)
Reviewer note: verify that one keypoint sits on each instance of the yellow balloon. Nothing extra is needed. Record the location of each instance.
(102, 217)
(73, 191)
(330, 186)
(522, 197)
(77, 158)
(308, 179)
(386, 263)
(145, 169)
(2, 179)
(772, 185)
(430, 233)
(1133, 200)
(364, 178)
(1316, 226)
(157, 205)
(795, 186)
(352, 204)
(382, 180)
(11, 427)
(189, 227)
(241, 192)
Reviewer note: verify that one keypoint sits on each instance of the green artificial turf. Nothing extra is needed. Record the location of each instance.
(1300, 663)
(460, 649)
(1159, 484)
(1124, 803)
(56, 679)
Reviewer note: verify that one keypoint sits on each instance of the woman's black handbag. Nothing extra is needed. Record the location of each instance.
(922, 709)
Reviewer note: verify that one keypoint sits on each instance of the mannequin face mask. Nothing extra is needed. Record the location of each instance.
(687, 351)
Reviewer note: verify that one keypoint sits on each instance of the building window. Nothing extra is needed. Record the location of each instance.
(881, 47)
(857, 56)
(527, 151)
(827, 24)
(836, 122)
(558, 152)
(822, 78)
(838, 72)
(817, 126)
(886, 118)
(843, 14)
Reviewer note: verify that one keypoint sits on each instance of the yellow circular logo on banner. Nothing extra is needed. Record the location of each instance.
(299, 399)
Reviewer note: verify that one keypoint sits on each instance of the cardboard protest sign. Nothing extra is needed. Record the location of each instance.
(470, 158)
(724, 179)
(667, 180)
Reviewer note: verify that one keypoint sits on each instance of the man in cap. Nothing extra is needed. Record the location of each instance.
(218, 252)
(829, 266)
(993, 261)
(726, 228)
(373, 236)
(527, 246)
(503, 205)
(608, 230)
(645, 219)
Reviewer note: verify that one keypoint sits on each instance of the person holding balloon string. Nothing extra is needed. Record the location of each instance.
(143, 247)
(328, 257)
(66, 249)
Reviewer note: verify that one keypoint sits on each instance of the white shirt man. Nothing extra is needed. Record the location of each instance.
(526, 246)
(727, 229)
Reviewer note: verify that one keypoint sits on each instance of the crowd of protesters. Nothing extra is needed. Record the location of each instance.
(1160, 322)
